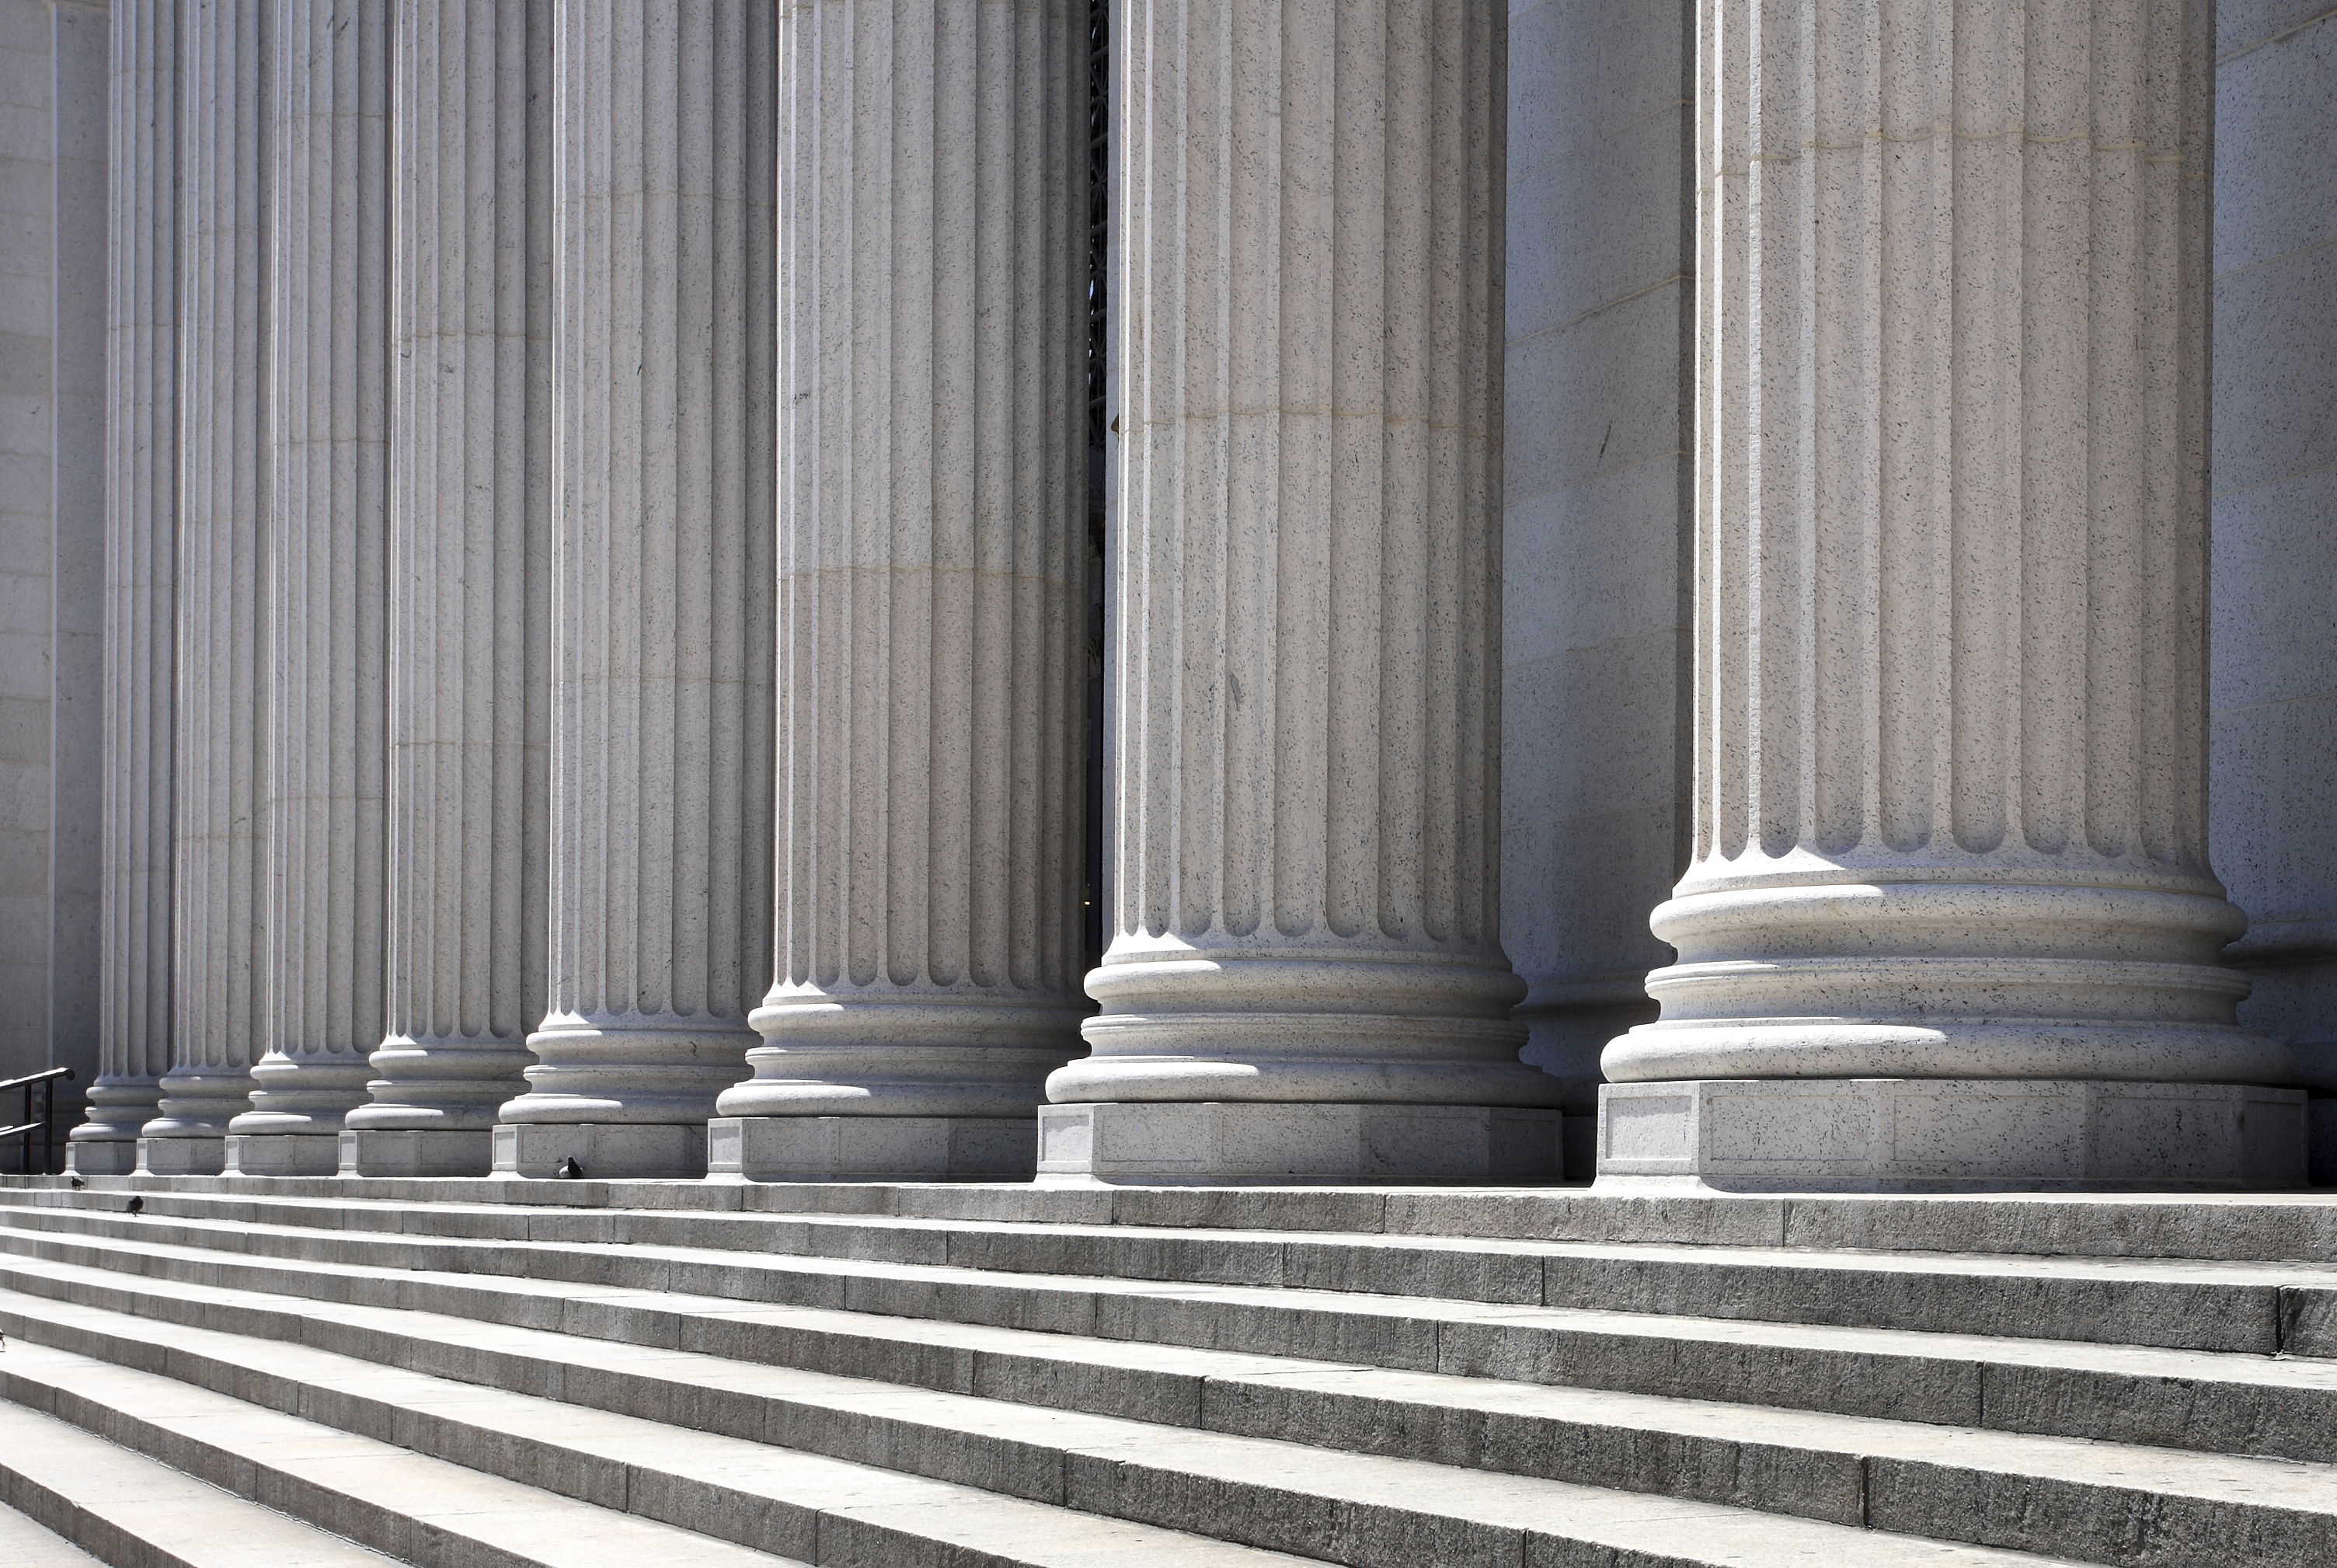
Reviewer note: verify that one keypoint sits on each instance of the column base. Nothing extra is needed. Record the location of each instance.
(873, 1148)
(2321, 1137)
(101, 1157)
(1236, 1142)
(282, 1155)
(605, 1150)
(182, 1156)
(414, 1151)
(1950, 1134)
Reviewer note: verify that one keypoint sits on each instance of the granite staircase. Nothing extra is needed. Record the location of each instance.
(251, 1371)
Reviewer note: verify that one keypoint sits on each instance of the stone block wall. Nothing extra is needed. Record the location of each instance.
(53, 101)
(2274, 734)
(1601, 263)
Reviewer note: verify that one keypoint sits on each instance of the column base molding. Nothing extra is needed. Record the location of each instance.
(415, 1151)
(604, 1150)
(102, 1156)
(282, 1155)
(871, 1148)
(1950, 1134)
(1233, 1142)
(194, 1156)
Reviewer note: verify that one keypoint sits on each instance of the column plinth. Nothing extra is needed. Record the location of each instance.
(663, 568)
(1305, 888)
(218, 923)
(1950, 919)
(141, 447)
(469, 579)
(933, 563)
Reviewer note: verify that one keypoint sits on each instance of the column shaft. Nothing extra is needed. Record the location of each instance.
(219, 919)
(662, 581)
(1306, 876)
(141, 445)
(1952, 591)
(329, 528)
(932, 572)
(470, 524)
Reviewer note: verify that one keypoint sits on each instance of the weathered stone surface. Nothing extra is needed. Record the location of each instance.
(1917, 1134)
(221, 979)
(1238, 1142)
(328, 525)
(831, 1148)
(933, 580)
(2274, 693)
(140, 480)
(471, 585)
(1951, 815)
(664, 124)
(1305, 875)
(1351, 1395)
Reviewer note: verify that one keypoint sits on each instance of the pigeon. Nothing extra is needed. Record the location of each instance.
(77, 1182)
(136, 1204)
(570, 1170)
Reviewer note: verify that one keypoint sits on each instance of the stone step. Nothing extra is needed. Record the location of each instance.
(1890, 1474)
(24, 1544)
(1360, 1511)
(2206, 1402)
(2261, 1308)
(82, 1500)
(557, 1484)
(2226, 1226)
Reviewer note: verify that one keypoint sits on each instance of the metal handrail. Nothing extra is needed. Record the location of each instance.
(53, 1073)
(46, 1082)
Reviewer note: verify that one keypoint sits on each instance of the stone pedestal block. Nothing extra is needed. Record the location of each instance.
(1949, 1134)
(849, 1147)
(410, 1151)
(1216, 1143)
(604, 1149)
(182, 1156)
(282, 1155)
(102, 1156)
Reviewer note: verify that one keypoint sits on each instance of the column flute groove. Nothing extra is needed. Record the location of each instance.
(329, 528)
(141, 447)
(662, 583)
(1951, 870)
(219, 975)
(931, 565)
(1305, 974)
(470, 628)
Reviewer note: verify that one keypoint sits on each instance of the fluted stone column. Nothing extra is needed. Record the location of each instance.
(142, 446)
(470, 580)
(1949, 917)
(219, 972)
(931, 580)
(662, 583)
(1306, 976)
(328, 529)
